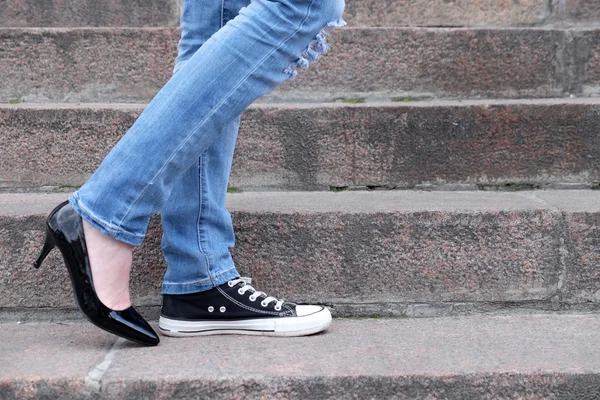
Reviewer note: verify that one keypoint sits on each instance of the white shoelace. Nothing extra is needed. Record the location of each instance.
(255, 293)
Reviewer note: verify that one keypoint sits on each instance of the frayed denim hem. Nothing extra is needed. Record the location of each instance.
(102, 226)
(187, 288)
(315, 49)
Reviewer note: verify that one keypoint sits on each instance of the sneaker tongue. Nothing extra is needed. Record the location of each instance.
(248, 281)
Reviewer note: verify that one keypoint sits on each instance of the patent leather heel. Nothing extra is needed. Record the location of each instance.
(48, 246)
(64, 230)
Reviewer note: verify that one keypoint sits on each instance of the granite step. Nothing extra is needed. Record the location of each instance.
(132, 64)
(466, 145)
(80, 13)
(441, 13)
(483, 357)
(406, 253)
(89, 13)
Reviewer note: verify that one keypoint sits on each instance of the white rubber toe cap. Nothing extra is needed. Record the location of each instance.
(302, 311)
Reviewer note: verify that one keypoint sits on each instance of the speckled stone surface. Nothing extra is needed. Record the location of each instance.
(582, 12)
(55, 13)
(77, 13)
(130, 65)
(587, 62)
(535, 356)
(63, 146)
(100, 64)
(446, 13)
(315, 147)
(367, 13)
(356, 248)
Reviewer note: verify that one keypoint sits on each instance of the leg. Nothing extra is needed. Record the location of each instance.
(202, 291)
(197, 227)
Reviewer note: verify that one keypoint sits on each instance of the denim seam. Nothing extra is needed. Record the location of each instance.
(109, 227)
(210, 273)
(218, 106)
(201, 203)
(222, 12)
(225, 272)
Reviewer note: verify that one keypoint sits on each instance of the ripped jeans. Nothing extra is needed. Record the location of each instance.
(176, 158)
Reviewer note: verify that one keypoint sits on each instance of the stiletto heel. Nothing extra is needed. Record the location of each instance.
(48, 246)
(64, 230)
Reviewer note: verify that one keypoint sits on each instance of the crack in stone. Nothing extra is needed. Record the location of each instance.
(566, 248)
(562, 11)
(93, 380)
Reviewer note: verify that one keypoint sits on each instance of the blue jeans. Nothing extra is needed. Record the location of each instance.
(176, 158)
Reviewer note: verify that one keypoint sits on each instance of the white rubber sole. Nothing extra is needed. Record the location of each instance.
(280, 326)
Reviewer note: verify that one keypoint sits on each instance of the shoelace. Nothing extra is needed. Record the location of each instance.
(255, 293)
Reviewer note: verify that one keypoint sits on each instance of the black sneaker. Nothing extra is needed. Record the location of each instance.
(237, 308)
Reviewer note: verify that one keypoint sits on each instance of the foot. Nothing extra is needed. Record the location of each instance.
(237, 308)
(110, 262)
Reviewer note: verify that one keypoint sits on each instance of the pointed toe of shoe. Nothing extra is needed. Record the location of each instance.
(131, 325)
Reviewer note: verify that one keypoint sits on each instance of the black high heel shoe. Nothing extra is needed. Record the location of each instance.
(64, 229)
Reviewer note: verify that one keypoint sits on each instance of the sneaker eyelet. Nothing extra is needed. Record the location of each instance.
(241, 292)
(222, 309)
(262, 303)
(277, 308)
(211, 309)
(230, 284)
(252, 298)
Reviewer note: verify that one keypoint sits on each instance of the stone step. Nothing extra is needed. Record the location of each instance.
(83, 13)
(454, 13)
(489, 144)
(500, 357)
(439, 13)
(384, 252)
(131, 64)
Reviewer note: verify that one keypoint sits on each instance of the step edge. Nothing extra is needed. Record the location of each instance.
(360, 202)
(316, 105)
